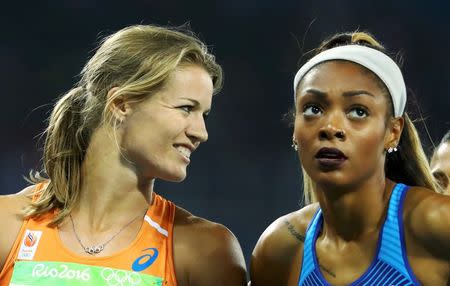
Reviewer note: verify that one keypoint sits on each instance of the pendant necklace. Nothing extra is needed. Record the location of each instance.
(96, 249)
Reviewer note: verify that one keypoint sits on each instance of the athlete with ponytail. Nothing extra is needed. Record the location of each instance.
(373, 215)
(92, 217)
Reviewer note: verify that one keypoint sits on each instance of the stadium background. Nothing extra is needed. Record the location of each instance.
(246, 175)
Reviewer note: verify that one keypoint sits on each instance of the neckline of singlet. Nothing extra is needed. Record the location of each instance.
(398, 188)
(156, 200)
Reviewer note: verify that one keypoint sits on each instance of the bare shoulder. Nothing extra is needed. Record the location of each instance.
(279, 248)
(427, 218)
(290, 228)
(11, 207)
(206, 253)
(198, 231)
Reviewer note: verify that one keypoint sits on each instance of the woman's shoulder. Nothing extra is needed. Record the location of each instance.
(427, 218)
(22, 197)
(11, 207)
(289, 228)
(279, 249)
(424, 204)
(200, 228)
(203, 244)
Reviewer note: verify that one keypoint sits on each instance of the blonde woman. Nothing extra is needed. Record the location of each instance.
(136, 115)
(374, 216)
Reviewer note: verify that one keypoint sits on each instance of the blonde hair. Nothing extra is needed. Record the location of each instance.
(138, 60)
(409, 165)
(441, 178)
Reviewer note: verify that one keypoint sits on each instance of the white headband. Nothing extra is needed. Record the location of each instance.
(377, 62)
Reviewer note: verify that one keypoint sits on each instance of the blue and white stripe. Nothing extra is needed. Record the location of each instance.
(389, 268)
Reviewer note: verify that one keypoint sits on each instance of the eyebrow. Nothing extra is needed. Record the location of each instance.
(350, 93)
(357, 93)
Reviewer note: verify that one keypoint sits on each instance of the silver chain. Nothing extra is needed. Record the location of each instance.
(96, 249)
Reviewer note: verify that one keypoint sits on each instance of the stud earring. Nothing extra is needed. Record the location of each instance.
(392, 149)
(294, 145)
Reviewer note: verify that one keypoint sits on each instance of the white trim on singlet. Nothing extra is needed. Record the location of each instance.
(156, 226)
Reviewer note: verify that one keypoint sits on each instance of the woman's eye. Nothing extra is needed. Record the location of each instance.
(441, 178)
(357, 112)
(311, 110)
(186, 108)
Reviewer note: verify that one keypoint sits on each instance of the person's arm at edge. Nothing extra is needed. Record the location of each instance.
(217, 257)
(272, 256)
(428, 219)
(266, 264)
(10, 213)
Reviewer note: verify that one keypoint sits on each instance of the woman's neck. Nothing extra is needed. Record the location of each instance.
(111, 192)
(351, 212)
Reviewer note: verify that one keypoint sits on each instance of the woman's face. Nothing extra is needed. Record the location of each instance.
(440, 166)
(340, 124)
(160, 133)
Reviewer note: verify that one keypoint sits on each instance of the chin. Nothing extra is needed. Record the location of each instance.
(335, 178)
(176, 177)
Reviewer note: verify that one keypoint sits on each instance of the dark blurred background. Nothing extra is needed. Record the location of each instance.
(247, 175)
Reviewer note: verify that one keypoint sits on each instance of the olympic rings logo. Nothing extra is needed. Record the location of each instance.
(120, 277)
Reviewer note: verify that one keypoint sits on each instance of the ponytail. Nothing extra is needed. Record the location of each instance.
(409, 165)
(139, 61)
(64, 149)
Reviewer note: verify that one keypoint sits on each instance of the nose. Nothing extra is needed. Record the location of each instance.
(332, 129)
(196, 130)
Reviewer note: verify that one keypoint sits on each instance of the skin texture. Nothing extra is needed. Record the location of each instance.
(440, 166)
(118, 185)
(351, 115)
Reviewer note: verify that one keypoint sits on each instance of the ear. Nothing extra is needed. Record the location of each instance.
(118, 106)
(395, 128)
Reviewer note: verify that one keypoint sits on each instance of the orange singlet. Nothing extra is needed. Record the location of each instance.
(38, 256)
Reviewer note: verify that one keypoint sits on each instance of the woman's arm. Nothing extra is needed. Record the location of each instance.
(428, 218)
(272, 255)
(277, 257)
(207, 253)
(11, 207)
(219, 259)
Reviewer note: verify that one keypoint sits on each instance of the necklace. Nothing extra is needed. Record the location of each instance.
(96, 249)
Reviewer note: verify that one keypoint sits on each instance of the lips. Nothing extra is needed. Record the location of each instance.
(330, 157)
(184, 150)
(330, 153)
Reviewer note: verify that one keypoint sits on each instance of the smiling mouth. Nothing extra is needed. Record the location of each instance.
(185, 152)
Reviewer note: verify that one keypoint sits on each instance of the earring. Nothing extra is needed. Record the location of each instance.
(294, 145)
(392, 149)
